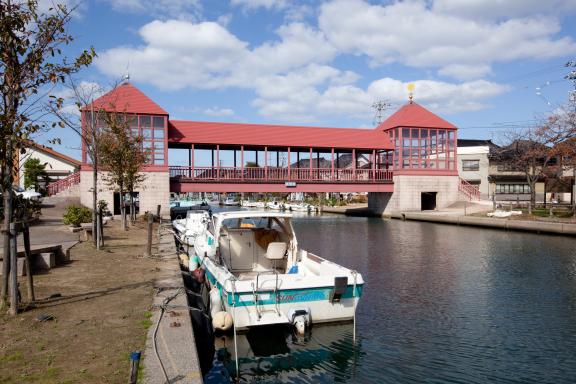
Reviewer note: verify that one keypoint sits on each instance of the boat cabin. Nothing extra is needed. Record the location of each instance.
(254, 242)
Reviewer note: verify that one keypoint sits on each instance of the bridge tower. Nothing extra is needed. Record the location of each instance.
(423, 162)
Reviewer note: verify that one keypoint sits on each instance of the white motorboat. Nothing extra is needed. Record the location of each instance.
(274, 205)
(231, 202)
(253, 204)
(260, 276)
(195, 223)
(302, 207)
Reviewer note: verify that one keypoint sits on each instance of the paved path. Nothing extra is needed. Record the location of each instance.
(50, 230)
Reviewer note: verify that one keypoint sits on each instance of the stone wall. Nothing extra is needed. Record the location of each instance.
(408, 191)
(153, 191)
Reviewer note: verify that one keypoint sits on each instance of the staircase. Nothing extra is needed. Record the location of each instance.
(469, 191)
(69, 186)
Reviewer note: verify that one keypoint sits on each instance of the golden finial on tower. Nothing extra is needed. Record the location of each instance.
(411, 87)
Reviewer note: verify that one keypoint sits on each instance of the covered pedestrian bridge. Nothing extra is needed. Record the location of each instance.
(224, 157)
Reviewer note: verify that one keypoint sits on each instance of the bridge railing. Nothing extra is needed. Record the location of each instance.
(277, 174)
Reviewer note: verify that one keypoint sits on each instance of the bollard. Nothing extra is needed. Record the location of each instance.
(158, 212)
(149, 242)
(134, 363)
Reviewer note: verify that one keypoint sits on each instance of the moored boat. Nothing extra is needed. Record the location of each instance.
(260, 276)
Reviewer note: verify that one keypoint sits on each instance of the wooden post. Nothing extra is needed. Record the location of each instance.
(101, 232)
(97, 234)
(27, 261)
(134, 362)
(14, 270)
(148, 252)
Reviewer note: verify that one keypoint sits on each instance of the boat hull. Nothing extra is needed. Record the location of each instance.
(245, 310)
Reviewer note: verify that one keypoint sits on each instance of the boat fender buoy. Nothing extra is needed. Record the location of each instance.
(194, 263)
(215, 302)
(198, 275)
(222, 321)
(184, 260)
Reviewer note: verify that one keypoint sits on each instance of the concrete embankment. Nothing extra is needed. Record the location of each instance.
(451, 217)
(518, 225)
(174, 339)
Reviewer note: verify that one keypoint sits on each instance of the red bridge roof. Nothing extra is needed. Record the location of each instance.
(126, 98)
(414, 115)
(275, 135)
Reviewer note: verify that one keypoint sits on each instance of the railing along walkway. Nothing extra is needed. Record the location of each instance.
(63, 184)
(472, 192)
(276, 175)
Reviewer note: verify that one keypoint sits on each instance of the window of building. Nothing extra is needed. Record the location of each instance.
(513, 188)
(470, 165)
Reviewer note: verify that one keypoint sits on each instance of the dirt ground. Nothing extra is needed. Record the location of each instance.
(101, 316)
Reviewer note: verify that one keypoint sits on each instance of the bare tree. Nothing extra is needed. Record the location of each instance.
(31, 64)
(90, 132)
(528, 154)
(560, 131)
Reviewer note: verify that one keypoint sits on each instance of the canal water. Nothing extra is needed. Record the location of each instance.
(441, 304)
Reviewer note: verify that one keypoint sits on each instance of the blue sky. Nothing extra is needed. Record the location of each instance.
(480, 64)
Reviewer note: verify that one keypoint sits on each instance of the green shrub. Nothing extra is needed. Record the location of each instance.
(76, 215)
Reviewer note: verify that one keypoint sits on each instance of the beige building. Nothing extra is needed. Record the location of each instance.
(474, 164)
(57, 165)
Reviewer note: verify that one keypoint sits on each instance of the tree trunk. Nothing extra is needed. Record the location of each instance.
(123, 209)
(95, 201)
(7, 186)
(132, 211)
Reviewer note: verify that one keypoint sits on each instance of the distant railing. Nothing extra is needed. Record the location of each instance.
(63, 184)
(273, 174)
(472, 192)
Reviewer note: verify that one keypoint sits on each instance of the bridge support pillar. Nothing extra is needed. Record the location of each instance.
(415, 193)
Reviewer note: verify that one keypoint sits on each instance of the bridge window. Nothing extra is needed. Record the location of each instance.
(424, 148)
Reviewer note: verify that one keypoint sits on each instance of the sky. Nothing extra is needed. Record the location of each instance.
(483, 65)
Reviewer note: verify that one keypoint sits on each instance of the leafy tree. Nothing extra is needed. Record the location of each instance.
(122, 155)
(31, 64)
(33, 172)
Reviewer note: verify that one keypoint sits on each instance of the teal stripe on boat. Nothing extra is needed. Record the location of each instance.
(300, 295)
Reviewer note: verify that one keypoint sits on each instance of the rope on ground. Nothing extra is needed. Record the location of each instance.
(163, 307)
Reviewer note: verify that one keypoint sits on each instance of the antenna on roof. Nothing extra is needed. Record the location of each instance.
(126, 77)
(411, 87)
(379, 107)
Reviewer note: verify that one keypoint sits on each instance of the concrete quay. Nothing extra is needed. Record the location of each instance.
(174, 337)
(488, 222)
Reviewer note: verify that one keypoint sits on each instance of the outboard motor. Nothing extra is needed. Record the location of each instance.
(300, 318)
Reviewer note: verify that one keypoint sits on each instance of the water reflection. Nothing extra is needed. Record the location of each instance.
(276, 355)
(441, 304)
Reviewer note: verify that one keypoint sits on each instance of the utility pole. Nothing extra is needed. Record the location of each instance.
(380, 106)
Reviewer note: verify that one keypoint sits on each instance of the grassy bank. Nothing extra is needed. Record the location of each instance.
(99, 301)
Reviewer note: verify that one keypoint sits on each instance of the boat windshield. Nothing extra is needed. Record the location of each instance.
(278, 224)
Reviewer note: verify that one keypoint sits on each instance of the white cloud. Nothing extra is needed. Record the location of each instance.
(414, 34)
(179, 54)
(502, 9)
(464, 71)
(178, 9)
(254, 4)
(307, 103)
(217, 111)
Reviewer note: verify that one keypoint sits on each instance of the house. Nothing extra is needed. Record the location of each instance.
(507, 175)
(473, 163)
(57, 165)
